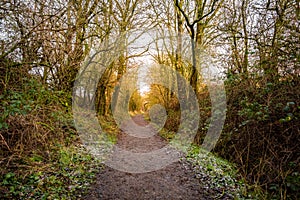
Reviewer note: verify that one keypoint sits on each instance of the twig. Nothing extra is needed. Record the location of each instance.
(5, 142)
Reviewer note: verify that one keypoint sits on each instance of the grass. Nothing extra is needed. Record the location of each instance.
(215, 172)
(65, 171)
(65, 174)
(64, 178)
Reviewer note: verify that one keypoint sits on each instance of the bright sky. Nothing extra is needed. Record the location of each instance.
(139, 41)
(146, 62)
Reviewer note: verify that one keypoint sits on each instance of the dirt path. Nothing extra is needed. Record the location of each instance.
(176, 181)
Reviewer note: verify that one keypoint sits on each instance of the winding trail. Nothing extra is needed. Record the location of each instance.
(174, 182)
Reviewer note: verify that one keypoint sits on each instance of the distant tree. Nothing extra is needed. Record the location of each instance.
(203, 12)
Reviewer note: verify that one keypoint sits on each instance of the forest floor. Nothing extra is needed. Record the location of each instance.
(176, 181)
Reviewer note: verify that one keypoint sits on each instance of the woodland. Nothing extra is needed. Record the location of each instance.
(249, 49)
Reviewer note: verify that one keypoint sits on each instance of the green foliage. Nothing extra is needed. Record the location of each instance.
(290, 112)
(45, 159)
(10, 181)
(253, 111)
(173, 121)
(293, 182)
(13, 103)
(261, 133)
(211, 163)
(135, 102)
(66, 176)
(168, 135)
(33, 97)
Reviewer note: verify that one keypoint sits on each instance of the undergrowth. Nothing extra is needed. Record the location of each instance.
(41, 154)
(260, 134)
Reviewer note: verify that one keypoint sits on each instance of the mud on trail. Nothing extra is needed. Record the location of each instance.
(173, 182)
